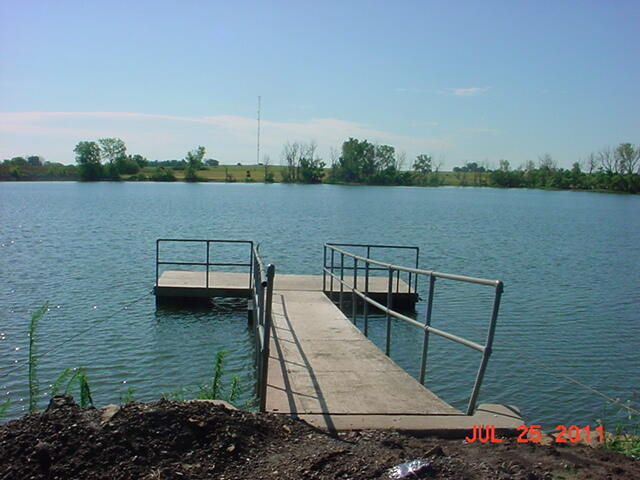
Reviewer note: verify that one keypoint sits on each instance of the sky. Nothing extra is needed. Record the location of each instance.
(462, 81)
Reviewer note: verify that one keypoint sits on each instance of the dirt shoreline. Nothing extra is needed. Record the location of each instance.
(199, 440)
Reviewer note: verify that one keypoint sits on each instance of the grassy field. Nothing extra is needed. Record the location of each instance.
(222, 173)
(239, 173)
(256, 173)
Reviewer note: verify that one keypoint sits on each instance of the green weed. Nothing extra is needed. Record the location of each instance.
(211, 390)
(34, 387)
(71, 378)
(624, 437)
(180, 395)
(128, 395)
(3, 408)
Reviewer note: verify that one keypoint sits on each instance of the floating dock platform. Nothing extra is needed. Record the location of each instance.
(174, 284)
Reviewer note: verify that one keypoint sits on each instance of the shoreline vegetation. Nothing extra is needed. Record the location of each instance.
(358, 162)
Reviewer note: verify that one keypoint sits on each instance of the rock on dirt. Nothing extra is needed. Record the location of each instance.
(201, 440)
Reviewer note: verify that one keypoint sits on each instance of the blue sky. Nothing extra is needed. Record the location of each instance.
(463, 81)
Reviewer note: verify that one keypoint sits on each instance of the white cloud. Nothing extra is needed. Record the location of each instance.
(229, 138)
(467, 92)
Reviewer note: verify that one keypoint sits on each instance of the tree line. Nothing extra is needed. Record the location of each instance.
(614, 169)
(107, 159)
(35, 167)
(113, 151)
(356, 162)
(362, 162)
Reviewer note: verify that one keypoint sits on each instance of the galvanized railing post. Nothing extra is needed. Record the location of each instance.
(157, 261)
(251, 263)
(324, 267)
(366, 304)
(332, 266)
(341, 279)
(415, 281)
(427, 324)
(207, 268)
(271, 270)
(487, 349)
(387, 349)
(354, 297)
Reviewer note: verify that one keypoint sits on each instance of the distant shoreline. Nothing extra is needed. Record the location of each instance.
(68, 180)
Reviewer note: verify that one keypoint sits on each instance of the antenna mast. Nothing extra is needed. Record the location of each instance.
(258, 158)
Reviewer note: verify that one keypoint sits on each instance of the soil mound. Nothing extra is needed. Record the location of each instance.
(201, 440)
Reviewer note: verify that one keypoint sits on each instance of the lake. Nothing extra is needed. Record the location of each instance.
(570, 262)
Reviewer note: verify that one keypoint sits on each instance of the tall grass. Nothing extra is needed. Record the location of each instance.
(213, 389)
(625, 435)
(128, 396)
(3, 408)
(76, 380)
(34, 387)
(70, 378)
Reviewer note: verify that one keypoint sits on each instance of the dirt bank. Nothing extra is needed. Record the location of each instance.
(198, 440)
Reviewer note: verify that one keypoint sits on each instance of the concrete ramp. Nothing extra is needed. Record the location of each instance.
(331, 367)
(324, 370)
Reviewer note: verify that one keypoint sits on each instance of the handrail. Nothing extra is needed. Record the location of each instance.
(262, 296)
(207, 263)
(370, 247)
(386, 266)
(390, 312)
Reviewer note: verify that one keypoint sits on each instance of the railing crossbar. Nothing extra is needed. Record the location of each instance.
(415, 323)
(208, 263)
(459, 278)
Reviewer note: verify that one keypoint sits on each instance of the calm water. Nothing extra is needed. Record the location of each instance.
(570, 262)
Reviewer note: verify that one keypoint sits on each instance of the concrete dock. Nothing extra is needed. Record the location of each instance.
(323, 370)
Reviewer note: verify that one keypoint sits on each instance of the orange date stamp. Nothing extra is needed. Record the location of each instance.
(533, 434)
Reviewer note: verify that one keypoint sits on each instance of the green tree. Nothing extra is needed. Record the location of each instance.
(310, 167)
(422, 164)
(194, 163)
(126, 164)
(35, 161)
(19, 161)
(114, 152)
(290, 160)
(88, 160)
(628, 157)
(112, 149)
(385, 158)
(311, 170)
(504, 165)
(140, 160)
(355, 161)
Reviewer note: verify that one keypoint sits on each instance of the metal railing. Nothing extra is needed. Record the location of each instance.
(370, 264)
(207, 263)
(329, 263)
(262, 296)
